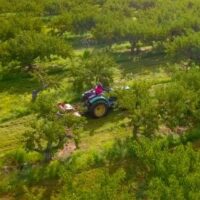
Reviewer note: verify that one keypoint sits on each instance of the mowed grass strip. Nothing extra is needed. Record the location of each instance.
(11, 133)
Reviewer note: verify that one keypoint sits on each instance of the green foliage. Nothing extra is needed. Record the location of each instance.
(120, 150)
(45, 104)
(20, 158)
(191, 136)
(28, 46)
(14, 25)
(111, 22)
(143, 4)
(179, 101)
(190, 78)
(99, 184)
(73, 121)
(92, 69)
(174, 105)
(53, 169)
(33, 194)
(79, 18)
(46, 137)
(169, 173)
(55, 7)
(142, 108)
(76, 124)
(146, 21)
(48, 131)
(186, 47)
(23, 6)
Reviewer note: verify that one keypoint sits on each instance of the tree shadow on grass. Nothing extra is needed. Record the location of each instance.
(24, 83)
(137, 64)
(18, 85)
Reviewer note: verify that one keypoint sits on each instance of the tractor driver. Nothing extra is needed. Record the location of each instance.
(99, 89)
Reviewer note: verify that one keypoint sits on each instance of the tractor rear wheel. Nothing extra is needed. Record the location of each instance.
(99, 109)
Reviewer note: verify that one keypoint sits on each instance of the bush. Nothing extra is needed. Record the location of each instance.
(20, 158)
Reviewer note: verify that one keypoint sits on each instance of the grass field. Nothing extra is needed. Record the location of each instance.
(15, 95)
(11, 132)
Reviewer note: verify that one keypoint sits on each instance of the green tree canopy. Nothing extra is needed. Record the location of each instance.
(28, 46)
(91, 69)
(169, 174)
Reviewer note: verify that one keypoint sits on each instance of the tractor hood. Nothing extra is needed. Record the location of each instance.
(97, 98)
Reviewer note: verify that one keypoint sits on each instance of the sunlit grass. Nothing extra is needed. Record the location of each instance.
(11, 133)
(13, 105)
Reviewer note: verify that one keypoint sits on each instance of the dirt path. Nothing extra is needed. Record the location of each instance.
(67, 150)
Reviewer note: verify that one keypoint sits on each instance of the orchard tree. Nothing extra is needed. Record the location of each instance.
(79, 18)
(46, 137)
(55, 7)
(11, 26)
(160, 22)
(108, 30)
(178, 18)
(28, 46)
(91, 69)
(111, 21)
(103, 185)
(23, 6)
(143, 4)
(190, 80)
(44, 106)
(174, 105)
(61, 24)
(185, 47)
(141, 107)
(137, 32)
(48, 131)
(84, 17)
(34, 7)
(169, 174)
(178, 101)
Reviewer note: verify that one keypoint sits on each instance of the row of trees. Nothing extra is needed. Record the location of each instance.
(160, 174)
(175, 104)
(152, 170)
(170, 25)
(157, 22)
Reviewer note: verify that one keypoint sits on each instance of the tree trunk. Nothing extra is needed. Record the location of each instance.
(48, 156)
(48, 152)
(35, 94)
(135, 133)
(132, 48)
